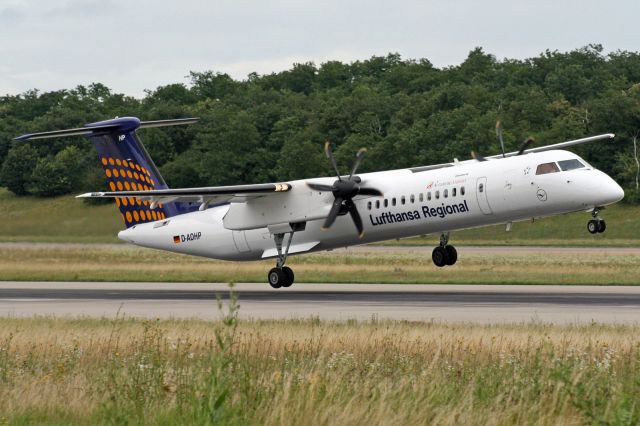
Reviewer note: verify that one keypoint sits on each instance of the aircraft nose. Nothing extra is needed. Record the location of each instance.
(611, 191)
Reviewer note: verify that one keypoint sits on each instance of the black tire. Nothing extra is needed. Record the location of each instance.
(602, 226)
(592, 226)
(276, 278)
(452, 255)
(288, 273)
(439, 256)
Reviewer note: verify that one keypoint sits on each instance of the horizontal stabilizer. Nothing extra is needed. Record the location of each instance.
(63, 133)
(114, 125)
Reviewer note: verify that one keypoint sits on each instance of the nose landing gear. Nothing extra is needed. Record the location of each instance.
(444, 254)
(596, 225)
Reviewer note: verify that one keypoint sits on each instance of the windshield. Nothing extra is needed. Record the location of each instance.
(570, 164)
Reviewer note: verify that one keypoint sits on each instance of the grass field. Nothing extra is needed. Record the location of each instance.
(127, 263)
(61, 371)
(66, 219)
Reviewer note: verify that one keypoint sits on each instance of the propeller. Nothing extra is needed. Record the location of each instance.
(478, 157)
(525, 145)
(344, 190)
(499, 135)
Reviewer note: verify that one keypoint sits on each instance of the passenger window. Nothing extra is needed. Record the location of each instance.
(446, 193)
(393, 201)
(386, 202)
(570, 164)
(377, 204)
(437, 195)
(462, 190)
(412, 199)
(402, 199)
(421, 197)
(453, 192)
(481, 187)
(545, 168)
(429, 196)
(369, 205)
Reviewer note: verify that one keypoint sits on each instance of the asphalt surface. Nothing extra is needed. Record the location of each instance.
(447, 303)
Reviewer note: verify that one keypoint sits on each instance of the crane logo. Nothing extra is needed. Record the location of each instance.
(542, 195)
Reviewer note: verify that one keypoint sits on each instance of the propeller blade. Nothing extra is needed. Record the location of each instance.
(320, 187)
(329, 153)
(355, 215)
(333, 213)
(525, 145)
(370, 191)
(478, 157)
(499, 135)
(358, 160)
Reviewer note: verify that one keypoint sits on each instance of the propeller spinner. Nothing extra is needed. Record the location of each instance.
(344, 190)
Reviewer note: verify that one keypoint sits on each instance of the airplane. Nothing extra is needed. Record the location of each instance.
(277, 220)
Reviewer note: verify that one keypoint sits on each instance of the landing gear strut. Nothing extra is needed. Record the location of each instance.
(596, 225)
(281, 276)
(444, 254)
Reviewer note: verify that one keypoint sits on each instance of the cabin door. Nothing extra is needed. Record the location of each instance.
(481, 195)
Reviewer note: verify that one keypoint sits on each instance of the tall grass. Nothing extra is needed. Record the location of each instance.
(300, 372)
(375, 266)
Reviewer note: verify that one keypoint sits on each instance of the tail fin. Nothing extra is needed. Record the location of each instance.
(127, 164)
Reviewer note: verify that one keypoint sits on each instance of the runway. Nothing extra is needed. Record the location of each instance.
(442, 303)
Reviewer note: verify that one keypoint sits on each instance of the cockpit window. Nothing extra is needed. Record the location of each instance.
(545, 168)
(570, 164)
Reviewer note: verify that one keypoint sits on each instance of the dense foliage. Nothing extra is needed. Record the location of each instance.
(272, 127)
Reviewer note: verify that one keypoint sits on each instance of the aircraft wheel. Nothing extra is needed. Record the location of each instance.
(288, 273)
(602, 225)
(276, 278)
(592, 226)
(439, 256)
(452, 254)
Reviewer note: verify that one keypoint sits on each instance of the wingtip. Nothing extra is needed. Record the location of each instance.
(90, 194)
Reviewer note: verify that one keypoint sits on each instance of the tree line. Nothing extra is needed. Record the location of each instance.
(272, 127)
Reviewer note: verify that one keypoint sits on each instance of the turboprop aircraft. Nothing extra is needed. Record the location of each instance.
(275, 220)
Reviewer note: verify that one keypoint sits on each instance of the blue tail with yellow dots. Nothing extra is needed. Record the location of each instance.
(127, 164)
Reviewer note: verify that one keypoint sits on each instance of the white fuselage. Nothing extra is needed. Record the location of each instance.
(466, 195)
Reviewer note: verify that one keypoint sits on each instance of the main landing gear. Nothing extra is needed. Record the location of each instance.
(444, 254)
(281, 276)
(596, 225)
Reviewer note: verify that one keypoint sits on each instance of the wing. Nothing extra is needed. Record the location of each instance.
(206, 195)
(560, 145)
